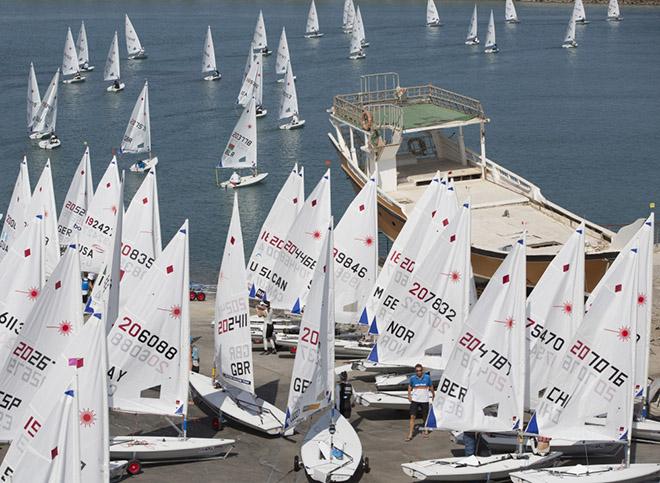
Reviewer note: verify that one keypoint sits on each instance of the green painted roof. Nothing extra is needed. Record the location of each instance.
(427, 114)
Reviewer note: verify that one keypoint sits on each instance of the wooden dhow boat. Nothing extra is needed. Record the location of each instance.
(409, 134)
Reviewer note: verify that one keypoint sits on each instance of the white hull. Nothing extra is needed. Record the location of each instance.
(213, 77)
(595, 473)
(614, 19)
(117, 469)
(492, 50)
(344, 349)
(475, 468)
(474, 41)
(647, 430)
(167, 448)
(137, 56)
(315, 35)
(112, 88)
(499, 442)
(281, 81)
(380, 368)
(243, 408)
(357, 56)
(395, 382)
(582, 22)
(74, 80)
(569, 45)
(38, 135)
(364, 44)
(265, 53)
(262, 113)
(89, 68)
(46, 144)
(434, 24)
(395, 400)
(513, 20)
(146, 165)
(317, 455)
(291, 125)
(245, 181)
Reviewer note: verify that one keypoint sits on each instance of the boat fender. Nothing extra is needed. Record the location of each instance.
(400, 92)
(417, 146)
(367, 120)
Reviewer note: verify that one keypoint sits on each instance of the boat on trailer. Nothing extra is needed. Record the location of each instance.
(411, 133)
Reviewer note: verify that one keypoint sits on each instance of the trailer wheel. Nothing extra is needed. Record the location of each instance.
(296, 463)
(201, 296)
(365, 464)
(193, 295)
(134, 467)
(216, 423)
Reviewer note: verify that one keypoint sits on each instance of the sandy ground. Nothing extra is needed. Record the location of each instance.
(256, 458)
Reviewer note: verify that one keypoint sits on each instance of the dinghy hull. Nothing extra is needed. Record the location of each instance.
(245, 181)
(475, 468)
(314, 35)
(394, 400)
(74, 81)
(213, 77)
(289, 126)
(499, 442)
(320, 461)
(48, 145)
(117, 469)
(145, 165)
(595, 473)
(244, 408)
(138, 56)
(168, 449)
(112, 88)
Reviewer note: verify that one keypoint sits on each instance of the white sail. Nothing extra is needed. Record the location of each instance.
(112, 71)
(251, 87)
(510, 14)
(46, 117)
(578, 11)
(282, 54)
(569, 38)
(428, 319)
(21, 280)
(643, 242)
(289, 281)
(43, 203)
(312, 379)
(613, 9)
(273, 232)
(596, 375)
(490, 35)
(141, 235)
(356, 44)
(53, 322)
(241, 149)
(289, 98)
(555, 309)
(356, 253)
(312, 20)
(233, 341)
(76, 202)
(482, 387)
(360, 24)
(95, 238)
(156, 382)
(259, 40)
(133, 44)
(349, 15)
(432, 13)
(444, 213)
(400, 261)
(208, 56)
(137, 138)
(17, 215)
(81, 46)
(33, 97)
(259, 84)
(472, 31)
(70, 57)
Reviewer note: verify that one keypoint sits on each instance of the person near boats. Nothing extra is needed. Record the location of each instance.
(115, 84)
(420, 392)
(235, 179)
(263, 310)
(85, 288)
(194, 355)
(344, 393)
(53, 139)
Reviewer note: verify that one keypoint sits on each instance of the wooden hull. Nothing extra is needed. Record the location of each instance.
(484, 262)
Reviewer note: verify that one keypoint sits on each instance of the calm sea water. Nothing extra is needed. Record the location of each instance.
(584, 125)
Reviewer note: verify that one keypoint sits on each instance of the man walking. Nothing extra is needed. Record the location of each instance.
(420, 392)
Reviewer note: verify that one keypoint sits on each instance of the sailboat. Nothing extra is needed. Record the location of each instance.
(491, 44)
(510, 14)
(137, 138)
(83, 50)
(596, 377)
(17, 215)
(283, 56)
(360, 24)
(312, 30)
(231, 392)
(289, 102)
(472, 38)
(241, 150)
(613, 12)
(46, 117)
(331, 450)
(348, 16)
(281, 216)
(157, 384)
(259, 39)
(209, 66)
(112, 72)
(252, 87)
(33, 98)
(482, 387)
(70, 61)
(432, 16)
(356, 52)
(569, 38)
(579, 13)
(76, 202)
(133, 45)
(43, 203)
